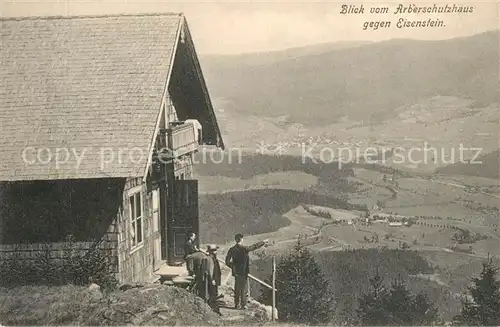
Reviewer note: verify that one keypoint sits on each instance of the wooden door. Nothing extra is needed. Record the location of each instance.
(157, 239)
(164, 212)
(185, 217)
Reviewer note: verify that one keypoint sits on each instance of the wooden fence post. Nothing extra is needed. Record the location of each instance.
(274, 288)
(206, 288)
(249, 295)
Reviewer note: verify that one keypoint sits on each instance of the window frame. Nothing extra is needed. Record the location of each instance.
(155, 210)
(137, 194)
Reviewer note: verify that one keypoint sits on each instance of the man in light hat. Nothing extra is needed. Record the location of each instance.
(215, 278)
(217, 274)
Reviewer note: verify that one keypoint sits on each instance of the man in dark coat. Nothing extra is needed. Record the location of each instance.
(238, 259)
(200, 265)
(215, 278)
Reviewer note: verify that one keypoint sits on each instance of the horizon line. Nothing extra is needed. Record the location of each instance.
(363, 42)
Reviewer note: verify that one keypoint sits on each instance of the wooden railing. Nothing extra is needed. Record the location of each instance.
(182, 139)
(249, 276)
(252, 278)
(261, 282)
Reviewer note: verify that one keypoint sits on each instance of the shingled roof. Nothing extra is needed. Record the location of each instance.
(84, 88)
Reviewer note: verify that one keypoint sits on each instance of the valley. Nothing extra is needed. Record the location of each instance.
(440, 218)
(375, 164)
(429, 135)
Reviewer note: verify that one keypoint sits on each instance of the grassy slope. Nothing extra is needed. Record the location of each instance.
(332, 181)
(290, 180)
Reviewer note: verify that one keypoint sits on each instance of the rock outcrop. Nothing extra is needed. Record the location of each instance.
(153, 304)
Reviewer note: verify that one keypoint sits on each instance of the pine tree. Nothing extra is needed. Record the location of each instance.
(399, 303)
(424, 313)
(396, 306)
(371, 311)
(484, 309)
(303, 293)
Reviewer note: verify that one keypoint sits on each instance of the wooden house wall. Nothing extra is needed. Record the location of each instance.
(134, 264)
(36, 217)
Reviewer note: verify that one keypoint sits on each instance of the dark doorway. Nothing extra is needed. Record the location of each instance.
(184, 217)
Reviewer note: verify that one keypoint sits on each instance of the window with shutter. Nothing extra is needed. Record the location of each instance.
(136, 219)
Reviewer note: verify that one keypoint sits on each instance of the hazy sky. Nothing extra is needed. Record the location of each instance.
(238, 26)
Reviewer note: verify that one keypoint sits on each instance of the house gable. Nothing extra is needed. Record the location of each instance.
(186, 90)
(205, 112)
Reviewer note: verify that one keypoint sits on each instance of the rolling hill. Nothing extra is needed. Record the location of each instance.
(319, 85)
(270, 57)
(487, 166)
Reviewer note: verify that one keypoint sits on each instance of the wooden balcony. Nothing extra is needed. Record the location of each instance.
(181, 138)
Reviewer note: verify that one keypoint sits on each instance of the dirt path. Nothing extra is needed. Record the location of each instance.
(331, 248)
(254, 314)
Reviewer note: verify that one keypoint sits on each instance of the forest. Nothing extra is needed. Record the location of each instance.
(348, 273)
(375, 288)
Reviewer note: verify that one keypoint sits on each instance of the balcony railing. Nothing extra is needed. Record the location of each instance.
(182, 138)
